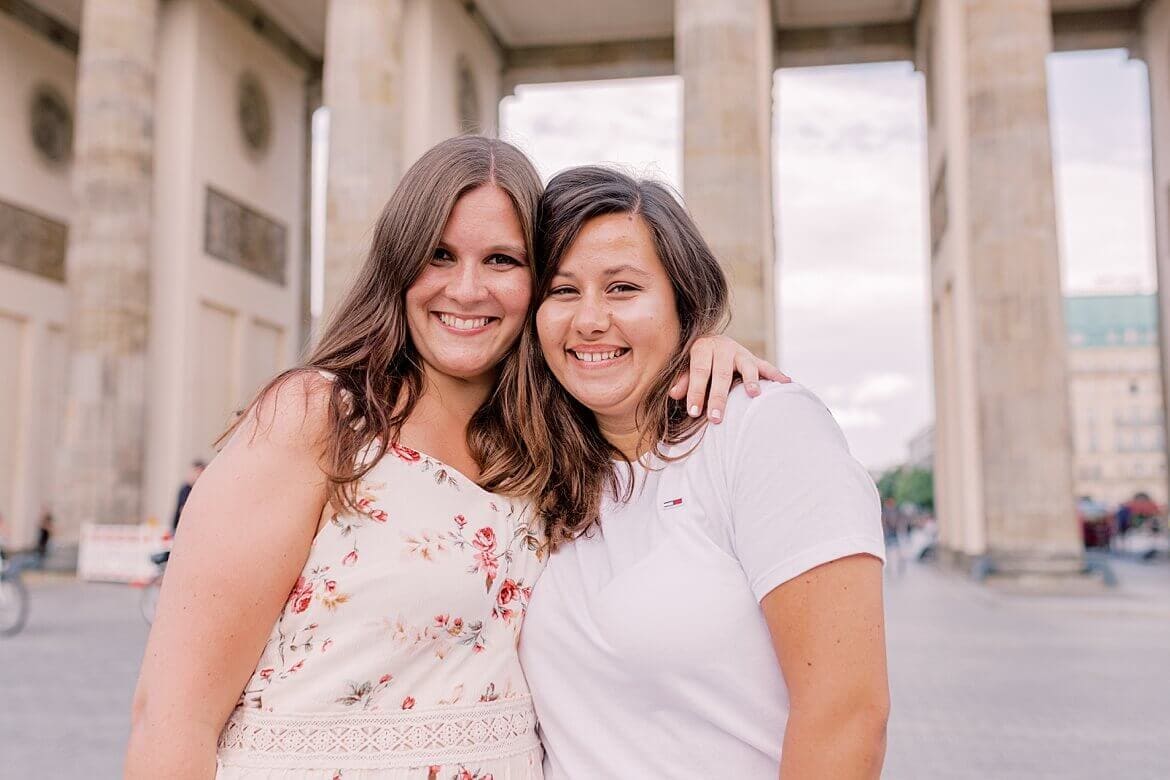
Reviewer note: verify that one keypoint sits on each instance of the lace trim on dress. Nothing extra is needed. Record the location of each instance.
(379, 740)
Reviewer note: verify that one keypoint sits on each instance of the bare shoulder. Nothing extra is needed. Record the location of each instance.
(293, 413)
(250, 519)
(276, 454)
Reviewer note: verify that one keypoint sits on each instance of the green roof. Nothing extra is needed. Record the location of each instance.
(1111, 320)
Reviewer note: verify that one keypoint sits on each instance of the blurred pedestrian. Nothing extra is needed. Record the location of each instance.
(44, 535)
(196, 469)
(1123, 518)
(894, 528)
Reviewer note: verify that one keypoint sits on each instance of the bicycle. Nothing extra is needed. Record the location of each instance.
(14, 600)
(148, 602)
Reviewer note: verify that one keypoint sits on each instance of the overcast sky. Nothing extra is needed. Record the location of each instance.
(851, 237)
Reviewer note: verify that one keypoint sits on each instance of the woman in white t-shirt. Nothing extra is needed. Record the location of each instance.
(713, 608)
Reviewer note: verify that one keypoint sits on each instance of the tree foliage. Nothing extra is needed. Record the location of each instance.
(908, 486)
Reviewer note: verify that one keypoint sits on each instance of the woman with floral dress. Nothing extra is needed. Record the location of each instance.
(345, 597)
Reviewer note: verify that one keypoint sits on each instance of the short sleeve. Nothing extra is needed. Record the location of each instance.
(798, 498)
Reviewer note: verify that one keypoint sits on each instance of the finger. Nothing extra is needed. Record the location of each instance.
(722, 372)
(769, 371)
(678, 390)
(748, 368)
(699, 374)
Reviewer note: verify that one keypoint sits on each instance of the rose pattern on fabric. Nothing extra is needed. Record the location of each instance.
(512, 600)
(406, 453)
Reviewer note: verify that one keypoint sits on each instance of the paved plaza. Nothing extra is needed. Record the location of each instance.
(986, 684)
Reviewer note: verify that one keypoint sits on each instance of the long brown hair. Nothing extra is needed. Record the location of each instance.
(366, 344)
(553, 448)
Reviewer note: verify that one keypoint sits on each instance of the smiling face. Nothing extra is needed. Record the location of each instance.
(609, 324)
(466, 309)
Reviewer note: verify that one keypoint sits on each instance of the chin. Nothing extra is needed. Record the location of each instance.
(467, 366)
(466, 370)
(601, 404)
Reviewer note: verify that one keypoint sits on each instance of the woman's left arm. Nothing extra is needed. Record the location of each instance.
(716, 360)
(828, 629)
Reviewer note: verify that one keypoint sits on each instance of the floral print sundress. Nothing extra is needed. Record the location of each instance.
(395, 657)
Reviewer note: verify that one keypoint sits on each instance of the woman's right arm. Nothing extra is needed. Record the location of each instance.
(806, 528)
(247, 529)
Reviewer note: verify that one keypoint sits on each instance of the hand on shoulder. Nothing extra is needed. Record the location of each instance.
(784, 409)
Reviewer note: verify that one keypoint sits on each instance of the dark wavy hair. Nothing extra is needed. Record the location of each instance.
(553, 448)
(366, 343)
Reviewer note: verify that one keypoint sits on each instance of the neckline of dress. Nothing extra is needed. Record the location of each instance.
(377, 442)
(444, 464)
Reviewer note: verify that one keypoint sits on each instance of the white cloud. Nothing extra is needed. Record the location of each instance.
(1105, 215)
(1102, 160)
(634, 123)
(1099, 107)
(881, 387)
(842, 294)
(852, 279)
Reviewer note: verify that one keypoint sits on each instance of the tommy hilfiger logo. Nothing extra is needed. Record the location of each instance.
(672, 503)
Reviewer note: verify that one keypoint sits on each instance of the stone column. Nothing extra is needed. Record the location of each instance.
(724, 52)
(1155, 50)
(313, 101)
(108, 265)
(998, 250)
(1020, 372)
(943, 494)
(363, 91)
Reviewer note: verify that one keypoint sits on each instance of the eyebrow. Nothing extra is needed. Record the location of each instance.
(612, 271)
(510, 249)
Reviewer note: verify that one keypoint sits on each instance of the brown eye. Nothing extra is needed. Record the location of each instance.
(503, 260)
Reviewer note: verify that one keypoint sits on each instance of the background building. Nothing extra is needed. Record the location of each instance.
(1115, 387)
(154, 208)
(1115, 390)
(920, 449)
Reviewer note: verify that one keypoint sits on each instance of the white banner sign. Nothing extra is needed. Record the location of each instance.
(119, 553)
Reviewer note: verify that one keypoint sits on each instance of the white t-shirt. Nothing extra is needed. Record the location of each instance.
(645, 646)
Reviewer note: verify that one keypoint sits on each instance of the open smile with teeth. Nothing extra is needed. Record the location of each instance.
(598, 357)
(459, 323)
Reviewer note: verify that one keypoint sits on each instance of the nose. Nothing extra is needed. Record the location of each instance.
(467, 284)
(591, 316)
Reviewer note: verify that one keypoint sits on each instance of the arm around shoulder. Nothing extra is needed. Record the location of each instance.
(247, 529)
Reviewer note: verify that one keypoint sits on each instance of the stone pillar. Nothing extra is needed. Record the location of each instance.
(943, 494)
(724, 52)
(108, 265)
(1009, 480)
(1155, 50)
(363, 91)
(957, 470)
(313, 101)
